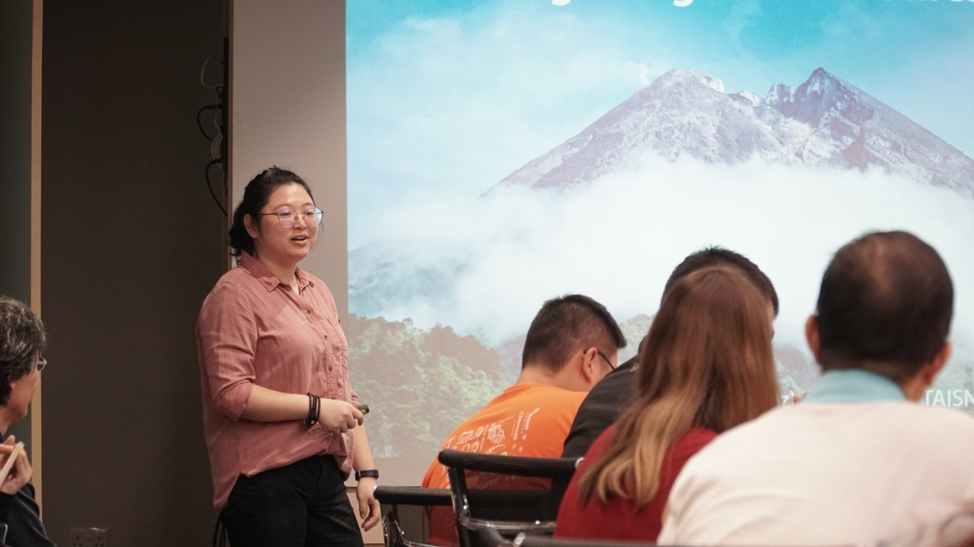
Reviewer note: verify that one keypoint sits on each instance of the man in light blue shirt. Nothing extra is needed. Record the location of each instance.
(884, 311)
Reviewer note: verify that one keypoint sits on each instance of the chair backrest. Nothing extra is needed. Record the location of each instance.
(507, 506)
(492, 538)
(405, 517)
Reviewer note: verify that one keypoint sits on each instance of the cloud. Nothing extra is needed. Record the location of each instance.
(455, 104)
(618, 239)
(452, 104)
(743, 14)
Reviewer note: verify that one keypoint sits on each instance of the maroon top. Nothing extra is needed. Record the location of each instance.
(253, 329)
(618, 519)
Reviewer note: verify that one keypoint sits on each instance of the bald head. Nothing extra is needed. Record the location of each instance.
(885, 304)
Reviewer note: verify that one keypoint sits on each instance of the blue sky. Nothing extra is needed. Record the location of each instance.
(447, 97)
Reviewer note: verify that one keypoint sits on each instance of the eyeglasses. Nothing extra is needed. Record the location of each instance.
(607, 361)
(287, 217)
(41, 363)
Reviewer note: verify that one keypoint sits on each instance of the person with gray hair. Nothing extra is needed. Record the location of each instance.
(22, 343)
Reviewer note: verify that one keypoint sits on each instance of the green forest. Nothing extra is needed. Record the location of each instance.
(420, 384)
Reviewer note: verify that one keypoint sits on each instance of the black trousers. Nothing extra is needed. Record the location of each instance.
(299, 505)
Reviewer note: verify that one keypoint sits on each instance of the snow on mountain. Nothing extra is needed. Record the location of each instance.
(823, 122)
(469, 263)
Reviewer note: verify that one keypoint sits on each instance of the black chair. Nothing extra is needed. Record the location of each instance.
(405, 517)
(492, 538)
(507, 511)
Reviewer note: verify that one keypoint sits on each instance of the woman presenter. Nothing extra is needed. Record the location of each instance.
(282, 428)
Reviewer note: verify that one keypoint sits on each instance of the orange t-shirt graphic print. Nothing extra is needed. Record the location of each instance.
(530, 420)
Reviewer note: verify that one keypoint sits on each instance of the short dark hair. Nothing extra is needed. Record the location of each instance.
(567, 325)
(22, 337)
(885, 305)
(255, 197)
(716, 256)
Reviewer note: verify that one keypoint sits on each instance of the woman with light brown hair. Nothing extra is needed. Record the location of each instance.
(706, 366)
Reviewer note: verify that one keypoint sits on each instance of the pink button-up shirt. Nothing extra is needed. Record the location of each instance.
(253, 329)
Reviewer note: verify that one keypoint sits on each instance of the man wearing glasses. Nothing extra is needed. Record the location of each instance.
(22, 341)
(573, 342)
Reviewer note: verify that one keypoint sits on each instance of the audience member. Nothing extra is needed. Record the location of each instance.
(858, 455)
(571, 344)
(603, 405)
(610, 397)
(706, 366)
(22, 342)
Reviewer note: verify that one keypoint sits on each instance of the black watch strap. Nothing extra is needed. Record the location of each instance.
(374, 473)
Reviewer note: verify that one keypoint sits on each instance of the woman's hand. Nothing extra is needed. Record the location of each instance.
(368, 506)
(20, 473)
(338, 416)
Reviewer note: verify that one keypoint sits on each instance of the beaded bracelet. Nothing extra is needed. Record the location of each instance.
(314, 405)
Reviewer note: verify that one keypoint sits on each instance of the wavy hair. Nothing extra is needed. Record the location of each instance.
(707, 362)
(22, 337)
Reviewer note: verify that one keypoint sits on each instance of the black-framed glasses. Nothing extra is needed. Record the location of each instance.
(607, 361)
(41, 363)
(288, 217)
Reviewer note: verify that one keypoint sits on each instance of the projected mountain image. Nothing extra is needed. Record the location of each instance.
(822, 122)
(785, 179)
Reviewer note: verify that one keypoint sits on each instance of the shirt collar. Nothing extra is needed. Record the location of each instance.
(853, 385)
(266, 277)
(303, 280)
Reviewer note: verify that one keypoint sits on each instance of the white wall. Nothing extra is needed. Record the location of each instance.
(288, 109)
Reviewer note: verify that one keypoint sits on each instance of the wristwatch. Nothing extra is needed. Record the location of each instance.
(374, 473)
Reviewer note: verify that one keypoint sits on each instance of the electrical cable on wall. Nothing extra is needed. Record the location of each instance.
(217, 156)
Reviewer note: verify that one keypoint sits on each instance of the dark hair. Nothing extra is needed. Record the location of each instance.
(715, 256)
(885, 305)
(255, 197)
(567, 325)
(22, 337)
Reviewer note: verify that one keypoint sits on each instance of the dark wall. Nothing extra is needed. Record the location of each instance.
(16, 33)
(132, 243)
(16, 21)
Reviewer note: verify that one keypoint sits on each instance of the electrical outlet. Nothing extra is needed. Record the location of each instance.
(89, 537)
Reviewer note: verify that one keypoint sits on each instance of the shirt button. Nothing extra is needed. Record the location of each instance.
(329, 367)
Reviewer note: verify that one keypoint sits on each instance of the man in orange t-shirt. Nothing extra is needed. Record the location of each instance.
(572, 343)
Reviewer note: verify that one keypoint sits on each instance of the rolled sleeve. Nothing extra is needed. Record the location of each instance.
(227, 337)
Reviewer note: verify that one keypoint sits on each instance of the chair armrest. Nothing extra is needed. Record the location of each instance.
(412, 495)
(510, 465)
(532, 540)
